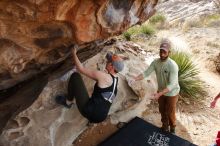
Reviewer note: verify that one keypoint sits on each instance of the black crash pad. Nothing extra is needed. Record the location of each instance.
(141, 133)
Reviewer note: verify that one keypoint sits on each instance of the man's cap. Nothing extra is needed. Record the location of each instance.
(165, 45)
(116, 61)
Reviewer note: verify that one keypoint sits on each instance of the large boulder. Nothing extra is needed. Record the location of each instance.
(34, 34)
(45, 123)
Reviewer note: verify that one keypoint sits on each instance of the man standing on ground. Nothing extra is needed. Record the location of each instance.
(166, 71)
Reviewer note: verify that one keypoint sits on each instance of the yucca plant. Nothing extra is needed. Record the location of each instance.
(191, 86)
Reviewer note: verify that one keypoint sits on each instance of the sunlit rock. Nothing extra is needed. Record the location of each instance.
(35, 34)
(49, 124)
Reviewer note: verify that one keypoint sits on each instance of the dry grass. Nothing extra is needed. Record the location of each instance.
(217, 4)
(204, 21)
(213, 45)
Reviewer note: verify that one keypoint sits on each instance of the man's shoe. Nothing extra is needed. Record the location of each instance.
(62, 100)
(164, 129)
(172, 130)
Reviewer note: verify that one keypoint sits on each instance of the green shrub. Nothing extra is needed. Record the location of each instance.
(157, 18)
(131, 31)
(191, 86)
(148, 29)
(213, 17)
(127, 36)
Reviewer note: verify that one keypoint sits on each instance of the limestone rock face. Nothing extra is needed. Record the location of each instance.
(34, 34)
(45, 123)
(178, 11)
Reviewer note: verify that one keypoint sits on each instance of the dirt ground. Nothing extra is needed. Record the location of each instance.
(96, 133)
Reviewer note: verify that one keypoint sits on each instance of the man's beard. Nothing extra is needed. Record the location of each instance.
(163, 58)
